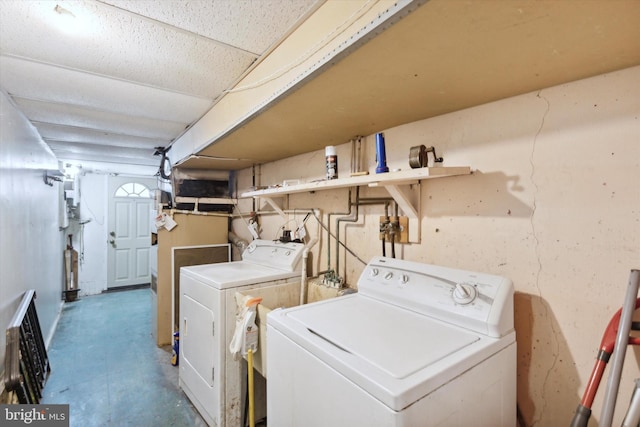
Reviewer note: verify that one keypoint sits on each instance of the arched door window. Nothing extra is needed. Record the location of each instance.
(133, 189)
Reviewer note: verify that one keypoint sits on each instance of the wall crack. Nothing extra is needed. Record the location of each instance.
(544, 308)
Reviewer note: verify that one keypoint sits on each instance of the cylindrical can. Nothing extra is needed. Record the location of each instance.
(332, 162)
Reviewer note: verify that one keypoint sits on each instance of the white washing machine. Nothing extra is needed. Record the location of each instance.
(209, 376)
(418, 345)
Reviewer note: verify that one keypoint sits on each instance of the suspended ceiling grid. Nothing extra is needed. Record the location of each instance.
(110, 80)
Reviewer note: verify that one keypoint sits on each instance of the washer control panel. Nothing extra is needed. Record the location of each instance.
(477, 301)
(274, 253)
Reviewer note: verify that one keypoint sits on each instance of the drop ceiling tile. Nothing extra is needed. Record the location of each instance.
(79, 151)
(61, 133)
(122, 45)
(72, 116)
(33, 80)
(251, 25)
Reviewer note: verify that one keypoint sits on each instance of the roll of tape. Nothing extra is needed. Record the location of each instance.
(418, 157)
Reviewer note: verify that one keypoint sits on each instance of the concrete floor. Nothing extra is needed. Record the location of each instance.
(106, 366)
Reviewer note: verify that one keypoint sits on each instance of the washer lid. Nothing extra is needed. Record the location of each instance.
(396, 341)
(226, 275)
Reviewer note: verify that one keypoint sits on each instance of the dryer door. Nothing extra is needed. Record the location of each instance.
(199, 358)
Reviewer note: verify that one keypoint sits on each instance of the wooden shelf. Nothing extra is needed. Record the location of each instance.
(393, 182)
(374, 180)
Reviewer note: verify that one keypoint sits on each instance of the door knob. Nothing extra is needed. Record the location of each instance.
(113, 243)
(112, 234)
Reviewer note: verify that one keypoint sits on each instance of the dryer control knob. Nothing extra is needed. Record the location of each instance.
(464, 293)
(374, 272)
(404, 279)
(388, 276)
(251, 248)
(287, 253)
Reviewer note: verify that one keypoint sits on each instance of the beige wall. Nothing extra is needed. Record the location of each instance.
(553, 204)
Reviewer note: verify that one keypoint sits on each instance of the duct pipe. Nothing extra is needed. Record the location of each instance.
(238, 242)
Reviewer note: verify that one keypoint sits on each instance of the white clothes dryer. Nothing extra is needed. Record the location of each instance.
(209, 376)
(418, 346)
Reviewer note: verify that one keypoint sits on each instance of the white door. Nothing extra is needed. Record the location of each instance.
(129, 239)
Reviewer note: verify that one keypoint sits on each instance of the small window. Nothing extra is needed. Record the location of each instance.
(133, 189)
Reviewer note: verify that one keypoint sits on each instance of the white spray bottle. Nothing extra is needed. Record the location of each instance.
(250, 330)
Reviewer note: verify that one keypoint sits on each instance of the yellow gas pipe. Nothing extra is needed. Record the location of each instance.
(250, 369)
